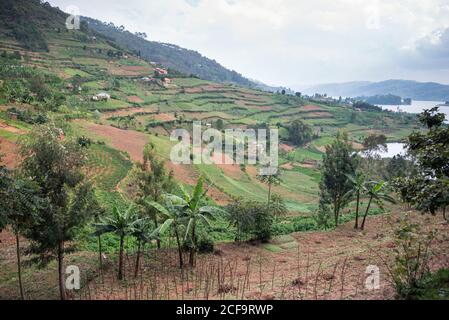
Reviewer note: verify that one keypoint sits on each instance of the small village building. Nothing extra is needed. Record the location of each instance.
(101, 97)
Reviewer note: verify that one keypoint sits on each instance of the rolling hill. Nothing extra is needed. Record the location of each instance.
(169, 55)
(426, 91)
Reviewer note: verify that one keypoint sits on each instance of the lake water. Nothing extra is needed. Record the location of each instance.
(418, 107)
(397, 148)
(394, 149)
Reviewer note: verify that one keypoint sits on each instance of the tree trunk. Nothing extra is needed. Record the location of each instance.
(356, 226)
(100, 253)
(444, 214)
(366, 213)
(61, 270)
(136, 270)
(120, 259)
(19, 267)
(269, 193)
(181, 262)
(193, 247)
(158, 241)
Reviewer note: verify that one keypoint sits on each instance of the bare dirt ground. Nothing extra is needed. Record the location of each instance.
(9, 152)
(130, 141)
(312, 265)
(309, 265)
(312, 107)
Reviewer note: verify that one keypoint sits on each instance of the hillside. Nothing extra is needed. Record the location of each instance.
(425, 91)
(172, 56)
(80, 64)
(113, 103)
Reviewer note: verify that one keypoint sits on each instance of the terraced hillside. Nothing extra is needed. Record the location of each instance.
(145, 107)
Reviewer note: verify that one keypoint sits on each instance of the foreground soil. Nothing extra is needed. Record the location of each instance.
(310, 265)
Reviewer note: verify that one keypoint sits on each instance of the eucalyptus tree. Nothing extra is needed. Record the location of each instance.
(55, 164)
(152, 181)
(339, 161)
(20, 202)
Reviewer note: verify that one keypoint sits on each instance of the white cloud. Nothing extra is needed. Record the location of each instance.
(288, 41)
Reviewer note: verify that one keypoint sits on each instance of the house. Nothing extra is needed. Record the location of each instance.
(161, 72)
(166, 81)
(101, 97)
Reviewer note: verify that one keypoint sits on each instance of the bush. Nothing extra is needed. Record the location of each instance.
(205, 245)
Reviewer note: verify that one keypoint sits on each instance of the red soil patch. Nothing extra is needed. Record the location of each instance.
(11, 129)
(312, 107)
(129, 141)
(135, 99)
(286, 147)
(9, 152)
(287, 166)
(164, 117)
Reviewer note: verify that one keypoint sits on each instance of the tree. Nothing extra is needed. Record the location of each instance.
(374, 191)
(193, 211)
(374, 144)
(358, 189)
(339, 161)
(141, 231)
(277, 206)
(427, 187)
(299, 133)
(55, 164)
(152, 182)
(174, 218)
(250, 219)
(120, 222)
(20, 202)
(270, 180)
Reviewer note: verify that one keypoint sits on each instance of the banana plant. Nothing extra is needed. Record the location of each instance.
(358, 190)
(121, 223)
(189, 206)
(376, 193)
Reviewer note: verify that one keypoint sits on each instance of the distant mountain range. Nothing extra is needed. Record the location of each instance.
(426, 91)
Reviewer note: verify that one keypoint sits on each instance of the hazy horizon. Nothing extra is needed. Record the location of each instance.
(295, 44)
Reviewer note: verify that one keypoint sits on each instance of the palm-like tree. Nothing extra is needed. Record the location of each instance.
(121, 223)
(277, 206)
(375, 192)
(174, 217)
(140, 229)
(357, 191)
(193, 212)
(270, 180)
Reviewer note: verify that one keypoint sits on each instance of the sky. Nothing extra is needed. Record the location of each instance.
(296, 42)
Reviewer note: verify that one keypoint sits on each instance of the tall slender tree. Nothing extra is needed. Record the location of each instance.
(20, 202)
(55, 164)
(152, 181)
(339, 161)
